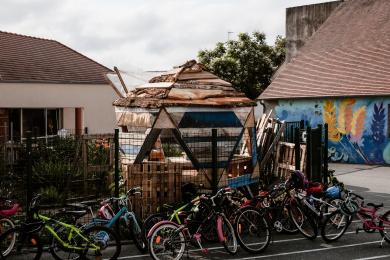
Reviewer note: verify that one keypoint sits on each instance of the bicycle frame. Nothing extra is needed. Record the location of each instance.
(370, 224)
(175, 214)
(123, 212)
(73, 232)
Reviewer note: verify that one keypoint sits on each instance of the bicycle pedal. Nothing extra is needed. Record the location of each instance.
(205, 251)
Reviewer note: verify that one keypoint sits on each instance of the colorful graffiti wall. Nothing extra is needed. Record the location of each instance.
(358, 127)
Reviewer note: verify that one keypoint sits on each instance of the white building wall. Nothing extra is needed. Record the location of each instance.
(99, 115)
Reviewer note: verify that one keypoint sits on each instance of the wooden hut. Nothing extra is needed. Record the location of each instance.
(204, 114)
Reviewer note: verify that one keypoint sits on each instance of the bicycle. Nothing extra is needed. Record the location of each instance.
(338, 222)
(275, 204)
(179, 215)
(79, 244)
(125, 216)
(170, 238)
(311, 203)
(8, 209)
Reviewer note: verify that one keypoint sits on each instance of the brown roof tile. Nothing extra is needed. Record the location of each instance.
(35, 60)
(348, 56)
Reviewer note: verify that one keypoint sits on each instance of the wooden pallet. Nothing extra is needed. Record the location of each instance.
(285, 159)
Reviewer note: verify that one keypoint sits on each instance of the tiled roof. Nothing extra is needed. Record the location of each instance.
(348, 56)
(35, 60)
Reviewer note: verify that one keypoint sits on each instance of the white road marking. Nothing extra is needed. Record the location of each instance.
(373, 257)
(220, 247)
(326, 245)
(309, 250)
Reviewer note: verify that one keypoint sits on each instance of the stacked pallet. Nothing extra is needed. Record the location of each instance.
(161, 183)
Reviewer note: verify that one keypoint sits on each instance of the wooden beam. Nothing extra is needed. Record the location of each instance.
(186, 149)
(147, 145)
(121, 80)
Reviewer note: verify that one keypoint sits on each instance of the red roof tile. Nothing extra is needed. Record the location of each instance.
(35, 60)
(348, 56)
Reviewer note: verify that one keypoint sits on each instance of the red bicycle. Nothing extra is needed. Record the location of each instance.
(338, 222)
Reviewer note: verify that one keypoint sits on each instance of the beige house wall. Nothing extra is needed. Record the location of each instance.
(99, 115)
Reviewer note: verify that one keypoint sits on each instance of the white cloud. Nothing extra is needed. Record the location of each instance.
(146, 34)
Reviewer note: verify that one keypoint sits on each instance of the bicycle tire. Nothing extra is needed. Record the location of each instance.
(240, 225)
(311, 224)
(11, 245)
(385, 235)
(29, 242)
(155, 238)
(327, 233)
(113, 239)
(139, 239)
(151, 221)
(227, 229)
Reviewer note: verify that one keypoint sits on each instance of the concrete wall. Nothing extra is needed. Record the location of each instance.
(96, 100)
(358, 127)
(302, 22)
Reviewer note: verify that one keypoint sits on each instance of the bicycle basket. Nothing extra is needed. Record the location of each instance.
(349, 207)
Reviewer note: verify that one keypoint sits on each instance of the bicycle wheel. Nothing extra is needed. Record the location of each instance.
(138, 236)
(6, 224)
(167, 242)
(288, 225)
(58, 251)
(27, 245)
(107, 240)
(385, 224)
(229, 241)
(151, 221)
(302, 221)
(252, 230)
(335, 226)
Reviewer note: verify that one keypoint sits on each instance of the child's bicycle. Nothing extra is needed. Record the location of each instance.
(169, 239)
(97, 242)
(8, 208)
(338, 222)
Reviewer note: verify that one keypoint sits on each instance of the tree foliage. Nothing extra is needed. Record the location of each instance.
(248, 62)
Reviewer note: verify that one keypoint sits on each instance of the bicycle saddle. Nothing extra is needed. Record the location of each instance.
(9, 212)
(377, 206)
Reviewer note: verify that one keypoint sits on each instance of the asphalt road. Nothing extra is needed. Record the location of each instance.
(350, 246)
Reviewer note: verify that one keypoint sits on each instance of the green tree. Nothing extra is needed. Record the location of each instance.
(248, 62)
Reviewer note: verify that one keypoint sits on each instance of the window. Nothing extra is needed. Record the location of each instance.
(33, 121)
(40, 121)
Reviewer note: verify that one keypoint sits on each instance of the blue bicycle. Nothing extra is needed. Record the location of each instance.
(125, 217)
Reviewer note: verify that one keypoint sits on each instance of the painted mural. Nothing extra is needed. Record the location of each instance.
(357, 126)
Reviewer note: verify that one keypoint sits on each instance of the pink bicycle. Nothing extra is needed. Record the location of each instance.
(338, 222)
(168, 240)
(8, 209)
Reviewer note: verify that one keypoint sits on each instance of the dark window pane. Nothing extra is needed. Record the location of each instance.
(14, 123)
(53, 121)
(34, 121)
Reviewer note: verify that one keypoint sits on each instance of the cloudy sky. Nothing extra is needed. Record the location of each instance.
(144, 34)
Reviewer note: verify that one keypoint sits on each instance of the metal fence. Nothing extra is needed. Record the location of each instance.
(63, 169)
(170, 167)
